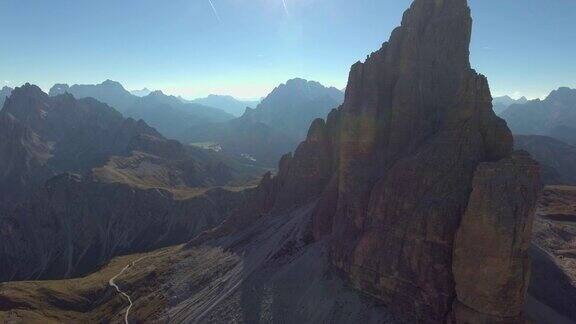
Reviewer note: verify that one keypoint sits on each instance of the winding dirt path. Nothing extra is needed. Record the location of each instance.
(120, 291)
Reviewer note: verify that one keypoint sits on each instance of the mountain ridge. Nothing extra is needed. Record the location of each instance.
(168, 114)
(275, 126)
(502, 103)
(555, 116)
(227, 103)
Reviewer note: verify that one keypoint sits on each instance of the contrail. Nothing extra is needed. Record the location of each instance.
(285, 8)
(215, 11)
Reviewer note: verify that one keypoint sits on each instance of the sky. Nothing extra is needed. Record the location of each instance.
(247, 47)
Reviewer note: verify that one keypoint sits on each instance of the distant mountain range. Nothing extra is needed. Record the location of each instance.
(502, 103)
(4, 93)
(108, 92)
(168, 114)
(43, 136)
(141, 93)
(292, 106)
(558, 159)
(262, 134)
(229, 104)
(79, 184)
(172, 116)
(554, 116)
(547, 130)
(275, 126)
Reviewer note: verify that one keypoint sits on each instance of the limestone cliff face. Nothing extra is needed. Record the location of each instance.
(394, 168)
(490, 263)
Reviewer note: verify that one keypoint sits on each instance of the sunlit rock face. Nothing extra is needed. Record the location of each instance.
(404, 165)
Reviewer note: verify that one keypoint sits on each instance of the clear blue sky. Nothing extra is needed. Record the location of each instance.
(525, 47)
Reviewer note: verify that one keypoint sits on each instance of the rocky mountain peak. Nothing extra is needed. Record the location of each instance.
(393, 169)
(112, 84)
(4, 93)
(563, 95)
(141, 93)
(28, 88)
(59, 88)
(26, 102)
(156, 93)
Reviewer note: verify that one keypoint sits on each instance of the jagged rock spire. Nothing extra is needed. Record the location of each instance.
(393, 170)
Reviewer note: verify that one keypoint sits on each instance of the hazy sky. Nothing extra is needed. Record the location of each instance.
(246, 47)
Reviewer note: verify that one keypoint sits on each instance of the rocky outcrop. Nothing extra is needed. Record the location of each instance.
(411, 153)
(4, 93)
(499, 215)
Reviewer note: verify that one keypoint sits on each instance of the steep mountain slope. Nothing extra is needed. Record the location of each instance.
(229, 104)
(500, 104)
(168, 114)
(557, 158)
(73, 225)
(23, 157)
(275, 126)
(4, 93)
(554, 116)
(43, 136)
(269, 273)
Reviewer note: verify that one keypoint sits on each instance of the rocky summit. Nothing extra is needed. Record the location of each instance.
(416, 181)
